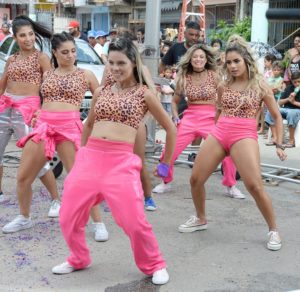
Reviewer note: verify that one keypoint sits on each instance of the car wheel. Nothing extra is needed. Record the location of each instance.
(237, 175)
(56, 166)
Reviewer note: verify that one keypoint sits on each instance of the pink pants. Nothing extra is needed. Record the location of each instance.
(198, 121)
(108, 170)
(53, 128)
(230, 130)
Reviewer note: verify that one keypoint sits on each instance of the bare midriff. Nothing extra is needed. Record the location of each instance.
(114, 131)
(22, 88)
(59, 106)
(201, 103)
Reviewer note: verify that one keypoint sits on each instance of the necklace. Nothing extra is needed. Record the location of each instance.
(124, 89)
(60, 72)
(197, 75)
(195, 71)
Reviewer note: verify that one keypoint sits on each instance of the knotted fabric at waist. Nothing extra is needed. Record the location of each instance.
(27, 106)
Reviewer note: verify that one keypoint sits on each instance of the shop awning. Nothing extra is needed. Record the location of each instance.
(170, 5)
(14, 1)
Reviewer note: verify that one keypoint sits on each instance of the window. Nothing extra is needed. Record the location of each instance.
(15, 48)
(6, 45)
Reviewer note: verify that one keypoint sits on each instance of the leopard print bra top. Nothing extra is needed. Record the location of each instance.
(128, 108)
(206, 92)
(69, 88)
(240, 104)
(26, 70)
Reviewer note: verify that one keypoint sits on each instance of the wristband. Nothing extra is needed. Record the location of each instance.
(176, 120)
(163, 169)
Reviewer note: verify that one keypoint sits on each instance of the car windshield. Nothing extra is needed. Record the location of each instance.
(85, 54)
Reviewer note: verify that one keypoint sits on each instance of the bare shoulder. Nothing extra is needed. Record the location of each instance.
(215, 76)
(148, 94)
(88, 74)
(10, 59)
(43, 57)
(266, 90)
(98, 90)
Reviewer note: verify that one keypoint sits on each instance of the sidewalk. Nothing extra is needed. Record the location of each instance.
(230, 256)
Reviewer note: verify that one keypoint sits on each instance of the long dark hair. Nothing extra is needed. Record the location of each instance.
(56, 41)
(40, 30)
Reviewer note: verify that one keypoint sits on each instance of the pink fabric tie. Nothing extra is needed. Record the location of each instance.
(45, 132)
(27, 106)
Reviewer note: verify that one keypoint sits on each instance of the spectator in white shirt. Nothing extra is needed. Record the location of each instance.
(101, 46)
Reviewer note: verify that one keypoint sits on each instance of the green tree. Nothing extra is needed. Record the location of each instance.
(224, 30)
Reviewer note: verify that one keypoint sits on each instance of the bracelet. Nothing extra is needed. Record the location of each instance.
(176, 120)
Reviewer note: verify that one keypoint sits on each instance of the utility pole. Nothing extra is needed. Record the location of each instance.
(259, 26)
(152, 35)
(31, 8)
(151, 56)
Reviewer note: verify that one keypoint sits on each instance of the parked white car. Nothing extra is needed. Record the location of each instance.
(87, 58)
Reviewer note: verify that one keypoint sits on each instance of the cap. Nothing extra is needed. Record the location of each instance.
(73, 24)
(91, 34)
(101, 33)
(113, 30)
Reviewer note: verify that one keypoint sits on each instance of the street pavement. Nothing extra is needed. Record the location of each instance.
(231, 255)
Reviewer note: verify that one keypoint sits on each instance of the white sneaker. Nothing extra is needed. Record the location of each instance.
(19, 223)
(162, 188)
(65, 268)
(160, 277)
(101, 233)
(54, 209)
(274, 242)
(235, 193)
(193, 224)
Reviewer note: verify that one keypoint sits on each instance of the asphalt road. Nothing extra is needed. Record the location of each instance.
(231, 255)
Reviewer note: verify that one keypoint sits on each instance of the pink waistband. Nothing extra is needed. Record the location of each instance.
(27, 106)
(202, 106)
(108, 145)
(237, 121)
(59, 116)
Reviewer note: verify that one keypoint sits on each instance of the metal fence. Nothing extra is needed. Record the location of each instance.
(278, 30)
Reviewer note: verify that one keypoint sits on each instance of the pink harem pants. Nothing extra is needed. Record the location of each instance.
(198, 121)
(230, 130)
(53, 128)
(107, 170)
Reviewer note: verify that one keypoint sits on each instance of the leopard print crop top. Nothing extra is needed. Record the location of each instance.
(128, 108)
(69, 88)
(206, 92)
(27, 70)
(240, 104)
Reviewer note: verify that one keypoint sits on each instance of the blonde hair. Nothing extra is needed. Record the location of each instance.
(185, 67)
(256, 81)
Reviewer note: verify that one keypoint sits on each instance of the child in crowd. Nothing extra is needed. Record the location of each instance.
(276, 79)
(277, 84)
(167, 91)
(268, 62)
(290, 109)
